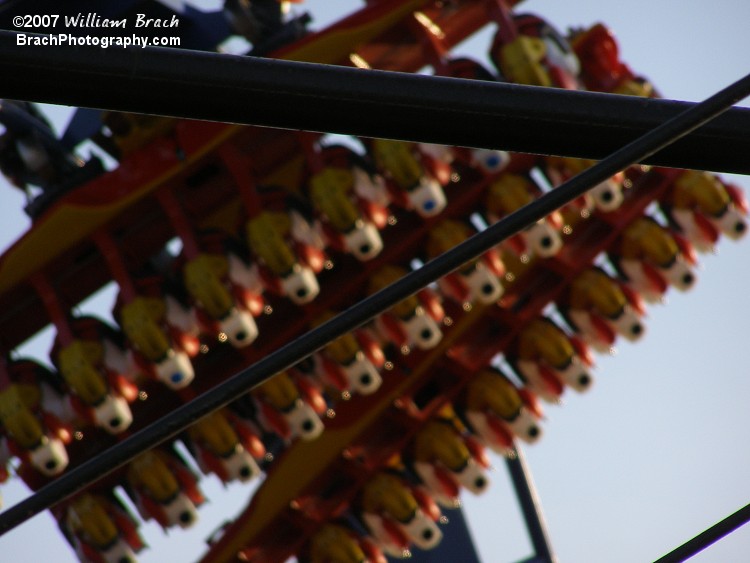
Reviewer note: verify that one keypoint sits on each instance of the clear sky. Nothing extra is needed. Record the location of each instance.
(656, 452)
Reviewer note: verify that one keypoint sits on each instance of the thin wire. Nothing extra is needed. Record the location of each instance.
(298, 349)
(707, 537)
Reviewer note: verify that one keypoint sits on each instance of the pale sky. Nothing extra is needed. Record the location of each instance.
(655, 452)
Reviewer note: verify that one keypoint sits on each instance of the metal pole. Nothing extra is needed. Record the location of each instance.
(293, 352)
(370, 103)
(531, 507)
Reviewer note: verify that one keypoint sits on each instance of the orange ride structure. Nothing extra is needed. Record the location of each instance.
(228, 241)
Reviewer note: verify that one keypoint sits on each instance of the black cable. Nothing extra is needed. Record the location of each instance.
(369, 103)
(298, 349)
(707, 537)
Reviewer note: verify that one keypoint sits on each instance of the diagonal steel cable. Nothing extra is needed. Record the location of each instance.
(180, 419)
(708, 537)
